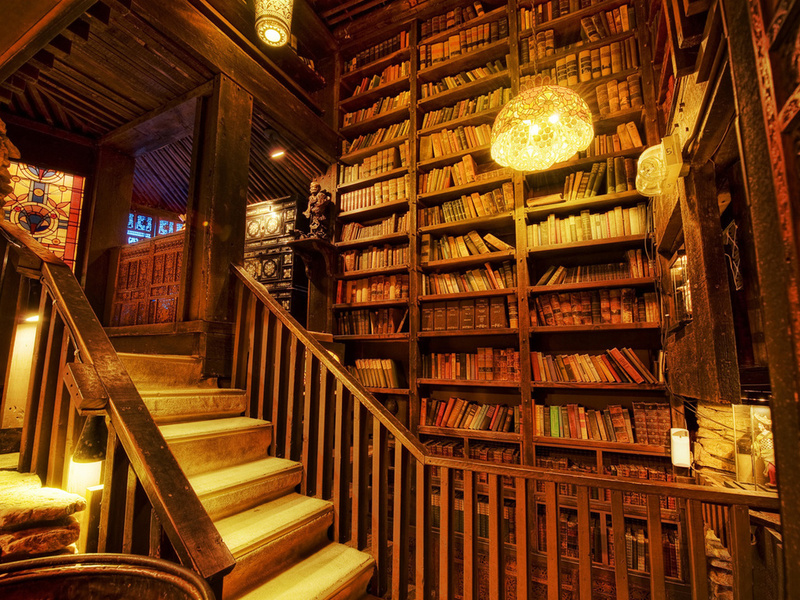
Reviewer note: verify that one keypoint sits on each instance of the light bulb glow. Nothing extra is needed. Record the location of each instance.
(274, 21)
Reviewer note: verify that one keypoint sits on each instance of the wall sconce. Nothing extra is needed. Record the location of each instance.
(91, 446)
(274, 21)
(659, 167)
(679, 447)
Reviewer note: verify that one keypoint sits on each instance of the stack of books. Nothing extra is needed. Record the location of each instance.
(457, 413)
(615, 366)
(499, 277)
(377, 372)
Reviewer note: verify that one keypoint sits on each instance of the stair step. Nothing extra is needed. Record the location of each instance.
(336, 572)
(201, 446)
(268, 538)
(169, 405)
(164, 370)
(229, 490)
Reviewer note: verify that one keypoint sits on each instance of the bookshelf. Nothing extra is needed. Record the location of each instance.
(454, 190)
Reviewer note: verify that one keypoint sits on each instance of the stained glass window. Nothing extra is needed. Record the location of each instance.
(47, 204)
(142, 226)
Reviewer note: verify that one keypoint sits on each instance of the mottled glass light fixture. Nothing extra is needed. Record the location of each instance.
(274, 21)
(543, 125)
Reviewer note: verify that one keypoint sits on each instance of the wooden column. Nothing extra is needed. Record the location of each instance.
(218, 197)
(113, 189)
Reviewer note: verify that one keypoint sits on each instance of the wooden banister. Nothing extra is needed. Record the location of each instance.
(139, 462)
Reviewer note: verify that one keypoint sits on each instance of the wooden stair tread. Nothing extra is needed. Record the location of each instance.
(240, 475)
(210, 427)
(329, 573)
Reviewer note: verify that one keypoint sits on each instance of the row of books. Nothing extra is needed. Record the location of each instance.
(384, 105)
(457, 246)
(619, 95)
(612, 424)
(378, 51)
(595, 307)
(457, 413)
(450, 19)
(451, 141)
(375, 164)
(487, 278)
(374, 257)
(626, 137)
(389, 190)
(388, 75)
(606, 23)
(451, 82)
(487, 364)
(372, 322)
(636, 266)
(591, 64)
(384, 134)
(497, 201)
(372, 289)
(463, 42)
(466, 107)
(478, 314)
(641, 470)
(392, 224)
(618, 222)
(542, 12)
(637, 549)
(463, 172)
(377, 372)
(617, 365)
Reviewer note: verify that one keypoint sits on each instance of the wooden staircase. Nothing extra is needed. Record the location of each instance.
(279, 538)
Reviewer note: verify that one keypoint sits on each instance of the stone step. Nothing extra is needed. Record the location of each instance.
(164, 370)
(170, 405)
(209, 445)
(336, 572)
(270, 537)
(224, 492)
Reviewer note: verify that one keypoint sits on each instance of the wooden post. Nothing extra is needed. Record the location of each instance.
(217, 200)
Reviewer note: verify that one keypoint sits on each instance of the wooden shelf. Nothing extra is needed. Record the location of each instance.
(484, 116)
(472, 434)
(376, 66)
(577, 163)
(591, 285)
(575, 385)
(468, 383)
(600, 327)
(464, 62)
(368, 97)
(376, 337)
(367, 181)
(550, 61)
(618, 447)
(488, 17)
(458, 190)
(381, 239)
(390, 270)
(492, 222)
(473, 88)
(356, 156)
(469, 261)
(479, 153)
(372, 304)
(397, 391)
(575, 17)
(589, 245)
(592, 203)
(608, 123)
(469, 332)
(375, 122)
(468, 295)
(370, 212)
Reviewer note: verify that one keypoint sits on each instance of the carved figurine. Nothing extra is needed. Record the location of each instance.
(317, 212)
(764, 447)
(7, 152)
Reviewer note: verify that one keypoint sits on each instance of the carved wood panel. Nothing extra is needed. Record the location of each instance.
(148, 282)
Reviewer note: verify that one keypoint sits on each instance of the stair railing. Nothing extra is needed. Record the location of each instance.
(440, 526)
(147, 506)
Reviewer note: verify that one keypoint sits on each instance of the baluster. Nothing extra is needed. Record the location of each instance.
(445, 533)
(263, 398)
(156, 534)
(326, 427)
(112, 513)
(523, 554)
(553, 543)
(293, 395)
(310, 415)
(341, 466)
(496, 538)
(620, 553)
(249, 355)
(59, 453)
(380, 509)
(240, 348)
(741, 551)
(470, 533)
(422, 536)
(697, 549)
(584, 544)
(400, 523)
(658, 590)
(360, 476)
(276, 378)
(137, 515)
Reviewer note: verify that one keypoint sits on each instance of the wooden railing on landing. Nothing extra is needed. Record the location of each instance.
(359, 456)
(148, 506)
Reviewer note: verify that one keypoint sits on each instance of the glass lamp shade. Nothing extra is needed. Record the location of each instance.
(651, 172)
(274, 21)
(543, 125)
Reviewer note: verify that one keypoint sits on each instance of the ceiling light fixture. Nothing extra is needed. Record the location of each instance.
(274, 21)
(543, 125)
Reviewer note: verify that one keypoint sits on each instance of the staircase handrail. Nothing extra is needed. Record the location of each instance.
(188, 526)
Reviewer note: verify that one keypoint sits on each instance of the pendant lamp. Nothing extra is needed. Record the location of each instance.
(543, 125)
(274, 21)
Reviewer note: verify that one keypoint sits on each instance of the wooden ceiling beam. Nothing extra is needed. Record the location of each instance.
(60, 46)
(78, 31)
(99, 14)
(43, 60)
(28, 72)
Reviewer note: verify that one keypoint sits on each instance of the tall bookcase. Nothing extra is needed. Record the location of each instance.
(416, 104)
